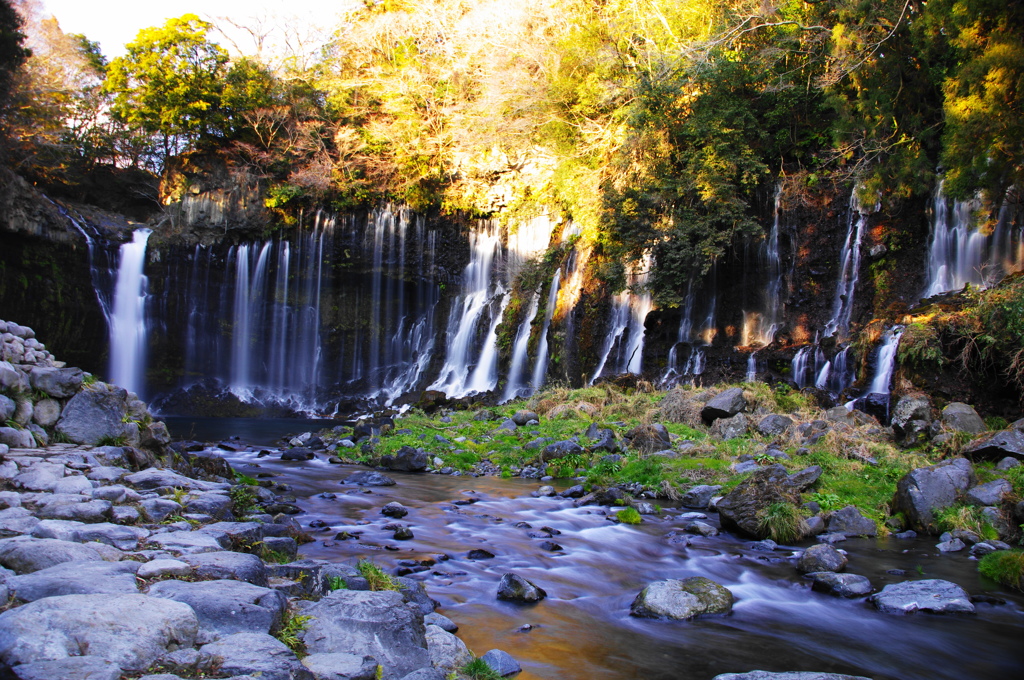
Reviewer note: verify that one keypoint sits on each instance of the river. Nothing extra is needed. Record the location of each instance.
(583, 629)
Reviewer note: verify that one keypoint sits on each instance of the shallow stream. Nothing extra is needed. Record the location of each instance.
(583, 630)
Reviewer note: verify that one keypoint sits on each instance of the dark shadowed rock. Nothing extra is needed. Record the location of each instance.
(773, 425)
(924, 491)
(787, 675)
(93, 415)
(515, 588)
(931, 595)
(369, 478)
(682, 599)
(997, 446)
(724, 405)
(649, 438)
(963, 418)
(406, 459)
(394, 509)
(560, 449)
(742, 508)
(298, 453)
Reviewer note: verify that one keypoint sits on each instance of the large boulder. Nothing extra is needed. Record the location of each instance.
(255, 655)
(924, 491)
(849, 521)
(561, 449)
(447, 652)
(25, 555)
(228, 565)
(742, 508)
(57, 382)
(94, 415)
(367, 623)
(724, 405)
(821, 557)
(76, 578)
(963, 418)
(932, 595)
(997, 446)
(226, 607)
(649, 438)
(730, 428)
(132, 631)
(682, 599)
(16, 438)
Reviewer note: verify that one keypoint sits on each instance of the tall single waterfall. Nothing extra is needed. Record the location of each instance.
(849, 270)
(517, 384)
(127, 318)
(540, 368)
(625, 339)
(961, 252)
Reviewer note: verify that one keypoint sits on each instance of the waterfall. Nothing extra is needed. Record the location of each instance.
(886, 361)
(759, 328)
(540, 369)
(626, 326)
(127, 320)
(752, 367)
(468, 311)
(516, 384)
(961, 252)
(800, 366)
(849, 270)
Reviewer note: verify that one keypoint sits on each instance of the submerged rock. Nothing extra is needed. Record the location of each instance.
(840, 585)
(682, 599)
(821, 557)
(369, 478)
(501, 662)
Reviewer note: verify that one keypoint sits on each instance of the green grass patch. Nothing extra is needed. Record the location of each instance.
(477, 669)
(1005, 567)
(289, 632)
(782, 523)
(629, 516)
(966, 518)
(376, 577)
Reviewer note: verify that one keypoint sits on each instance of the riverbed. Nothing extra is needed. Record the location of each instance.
(583, 631)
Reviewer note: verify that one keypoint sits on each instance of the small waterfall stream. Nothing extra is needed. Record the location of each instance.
(517, 384)
(886, 361)
(540, 368)
(624, 343)
(127, 318)
(849, 271)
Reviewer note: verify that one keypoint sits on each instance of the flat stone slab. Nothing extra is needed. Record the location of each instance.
(25, 555)
(930, 595)
(187, 542)
(71, 668)
(228, 565)
(116, 535)
(131, 631)
(76, 578)
(258, 655)
(225, 607)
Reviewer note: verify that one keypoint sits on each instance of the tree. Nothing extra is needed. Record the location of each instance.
(169, 84)
(12, 49)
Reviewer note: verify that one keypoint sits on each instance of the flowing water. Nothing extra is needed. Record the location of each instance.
(583, 629)
(127, 318)
(849, 271)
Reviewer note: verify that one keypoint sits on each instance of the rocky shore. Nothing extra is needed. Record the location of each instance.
(124, 558)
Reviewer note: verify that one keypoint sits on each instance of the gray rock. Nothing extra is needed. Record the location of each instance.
(57, 382)
(76, 578)
(124, 514)
(963, 418)
(560, 449)
(16, 438)
(804, 479)
(425, 674)
(447, 652)
(256, 655)
(773, 425)
(155, 478)
(163, 567)
(73, 484)
(236, 535)
(702, 528)
(12, 379)
(849, 521)
(367, 623)
(16, 521)
(985, 547)
(341, 666)
(997, 446)
(924, 491)
(952, 545)
(25, 555)
(225, 607)
(115, 535)
(441, 621)
(69, 668)
(75, 510)
(932, 595)
(699, 496)
(742, 508)
(515, 588)
(111, 456)
(94, 414)
(744, 467)
(406, 459)
(821, 557)
(188, 542)
(725, 405)
(507, 425)
(523, 417)
(730, 428)
(649, 438)
(159, 509)
(989, 493)
(46, 412)
(840, 585)
(7, 408)
(682, 599)
(212, 503)
(501, 662)
(908, 408)
(1007, 463)
(23, 411)
(228, 565)
(59, 627)
(369, 478)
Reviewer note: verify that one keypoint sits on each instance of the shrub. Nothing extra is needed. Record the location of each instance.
(629, 516)
(1005, 567)
(243, 500)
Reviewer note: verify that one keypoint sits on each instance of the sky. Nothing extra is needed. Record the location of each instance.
(112, 23)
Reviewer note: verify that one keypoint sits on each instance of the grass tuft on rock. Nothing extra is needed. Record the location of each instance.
(376, 577)
(782, 523)
(1005, 567)
(966, 518)
(478, 669)
(629, 516)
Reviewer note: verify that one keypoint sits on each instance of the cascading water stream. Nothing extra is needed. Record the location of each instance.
(759, 328)
(540, 369)
(960, 251)
(127, 320)
(626, 327)
(517, 385)
(886, 363)
(849, 271)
